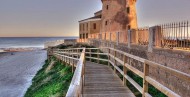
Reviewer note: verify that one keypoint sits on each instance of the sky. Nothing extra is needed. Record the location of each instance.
(51, 18)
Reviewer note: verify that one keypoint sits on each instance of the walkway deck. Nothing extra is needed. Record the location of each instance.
(100, 81)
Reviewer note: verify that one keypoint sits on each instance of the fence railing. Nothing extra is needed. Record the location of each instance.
(172, 36)
(114, 61)
(77, 83)
(176, 35)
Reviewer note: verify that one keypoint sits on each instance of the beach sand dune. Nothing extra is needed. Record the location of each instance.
(17, 71)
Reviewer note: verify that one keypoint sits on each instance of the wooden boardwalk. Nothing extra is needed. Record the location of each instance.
(100, 81)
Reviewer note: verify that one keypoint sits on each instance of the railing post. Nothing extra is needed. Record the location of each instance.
(114, 60)
(69, 58)
(110, 40)
(145, 83)
(124, 70)
(65, 60)
(73, 62)
(62, 60)
(117, 41)
(83, 75)
(129, 38)
(78, 54)
(58, 59)
(90, 55)
(108, 57)
(98, 56)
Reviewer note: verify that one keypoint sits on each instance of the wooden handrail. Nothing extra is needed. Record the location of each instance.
(77, 80)
(145, 74)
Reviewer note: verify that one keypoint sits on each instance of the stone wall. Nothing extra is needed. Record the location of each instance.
(179, 60)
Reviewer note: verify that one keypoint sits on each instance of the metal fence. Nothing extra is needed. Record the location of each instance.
(171, 35)
(176, 35)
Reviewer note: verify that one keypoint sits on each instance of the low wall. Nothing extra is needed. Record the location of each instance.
(179, 60)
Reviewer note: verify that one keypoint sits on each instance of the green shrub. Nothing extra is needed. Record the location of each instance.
(53, 83)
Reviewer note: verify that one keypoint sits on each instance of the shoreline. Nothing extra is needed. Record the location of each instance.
(18, 70)
(2, 50)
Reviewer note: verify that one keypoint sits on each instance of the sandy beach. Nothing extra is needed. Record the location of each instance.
(17, 71)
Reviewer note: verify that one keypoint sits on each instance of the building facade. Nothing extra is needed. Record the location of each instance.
(115, 16)
(89, 26)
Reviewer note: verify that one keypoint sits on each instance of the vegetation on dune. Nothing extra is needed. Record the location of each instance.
(52, 83)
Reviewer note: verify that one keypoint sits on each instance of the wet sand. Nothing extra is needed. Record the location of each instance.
(17, 71)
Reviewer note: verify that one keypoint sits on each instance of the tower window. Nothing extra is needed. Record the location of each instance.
(128, 10)
(129, 27)
(106, 23)
(94, 25)
(107, 7)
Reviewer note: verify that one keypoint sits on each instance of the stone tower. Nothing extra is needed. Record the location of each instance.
(118, 16)
(133, 14)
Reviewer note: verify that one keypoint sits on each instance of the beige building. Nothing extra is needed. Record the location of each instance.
(89, 26)
(116, 16)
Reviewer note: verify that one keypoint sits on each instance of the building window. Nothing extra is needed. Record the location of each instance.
(129, 27)
(107, 7)
(80, 27)
(83, 36)
(83, 27)
(80, 36)
(106, 23)
(128, 10)
(94, 25)
(86, 35)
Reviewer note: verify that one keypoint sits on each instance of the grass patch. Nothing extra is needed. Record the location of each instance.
(53, 83)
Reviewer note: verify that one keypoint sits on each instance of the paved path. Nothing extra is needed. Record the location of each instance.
(100, 81)
(17, 71)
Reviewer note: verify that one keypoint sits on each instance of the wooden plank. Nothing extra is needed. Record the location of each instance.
(129, 55)
(66, 56)
(96, 53)
(97, 58)
(145, 83)
(136, 85)
(102, 82)
(124, 70)
(136, 71)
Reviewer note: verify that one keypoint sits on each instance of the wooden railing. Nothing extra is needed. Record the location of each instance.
(126, 62)
(77, 83)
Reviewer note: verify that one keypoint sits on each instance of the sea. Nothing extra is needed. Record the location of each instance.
(28, 42)
(17, 69)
